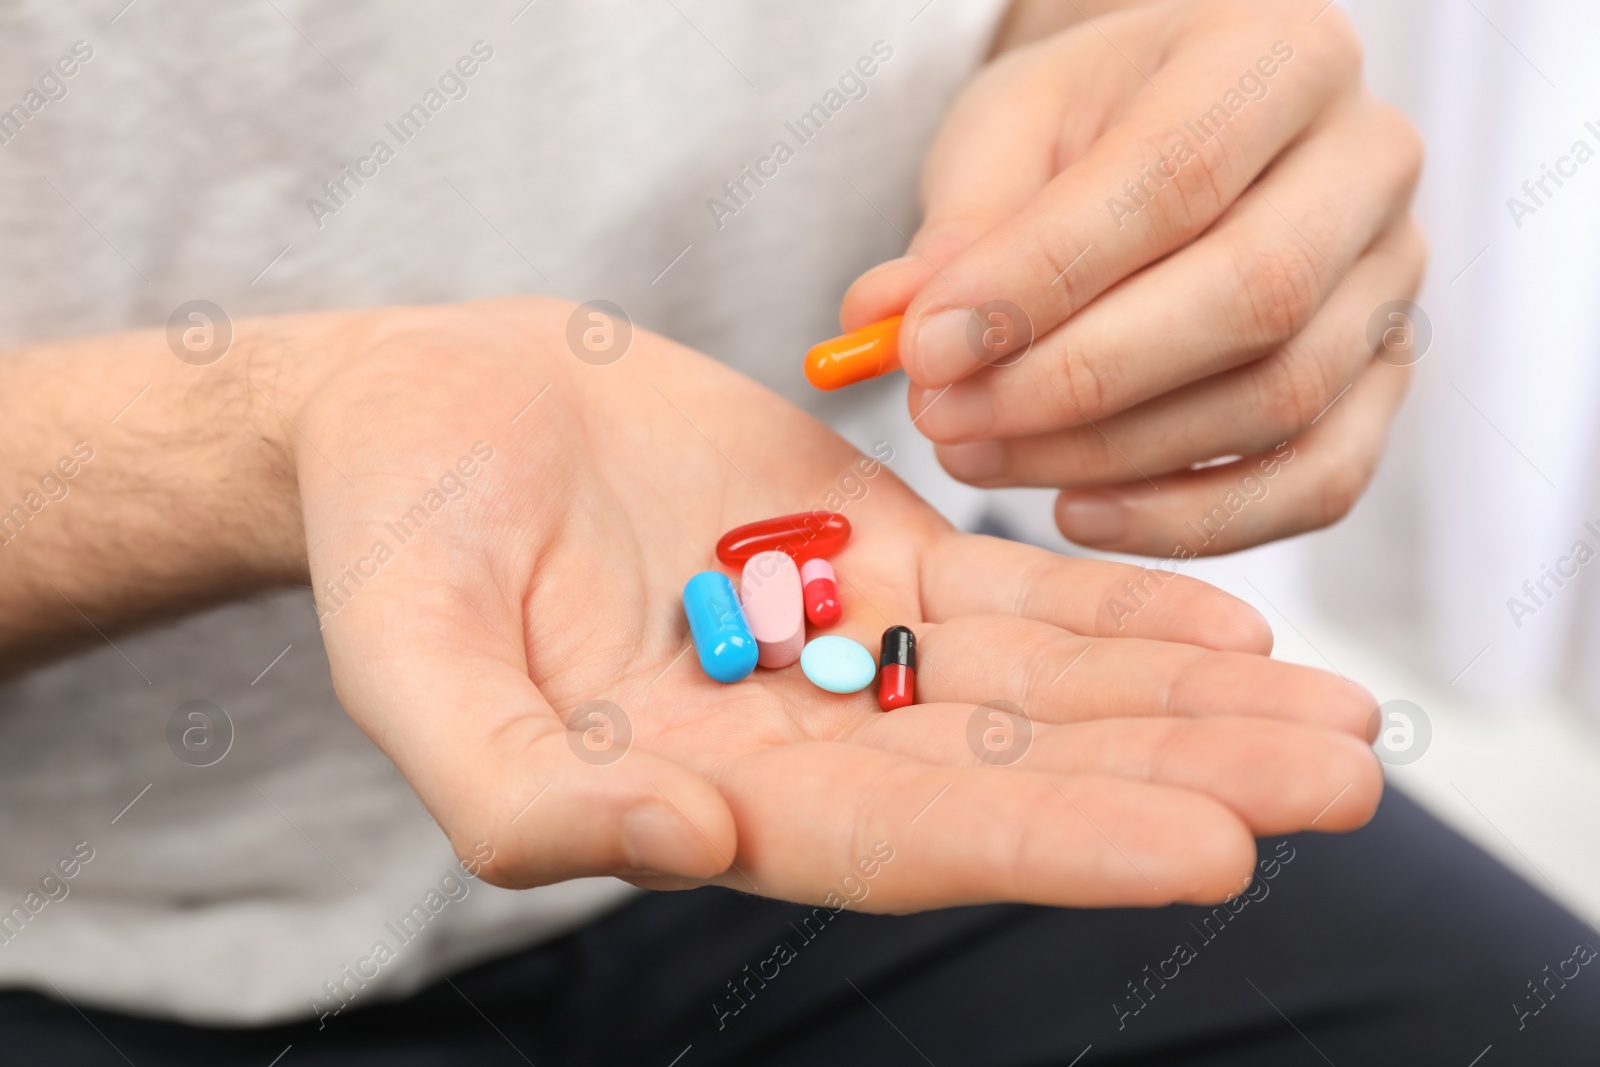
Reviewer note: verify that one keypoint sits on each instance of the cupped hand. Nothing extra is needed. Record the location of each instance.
(1194, 210)
(538, 517)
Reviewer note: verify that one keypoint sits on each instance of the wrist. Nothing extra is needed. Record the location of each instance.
(149, 473)
(258, 398)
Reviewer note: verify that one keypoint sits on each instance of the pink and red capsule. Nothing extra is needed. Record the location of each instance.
(821, 593)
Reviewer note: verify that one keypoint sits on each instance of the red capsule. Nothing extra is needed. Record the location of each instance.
(808, 535)
(821, 593)
(897, 681)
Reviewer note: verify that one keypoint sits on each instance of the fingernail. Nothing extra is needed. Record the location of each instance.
(1092, 518)
(964, 410)
(942, 353)
(975, 462)
(655, 839)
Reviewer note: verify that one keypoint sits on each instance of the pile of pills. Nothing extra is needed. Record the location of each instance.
(786, 581)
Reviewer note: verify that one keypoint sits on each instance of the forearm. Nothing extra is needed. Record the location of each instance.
(134, 485)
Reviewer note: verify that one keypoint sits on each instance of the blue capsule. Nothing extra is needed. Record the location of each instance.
(722, 638)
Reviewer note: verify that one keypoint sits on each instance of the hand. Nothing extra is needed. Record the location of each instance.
(551, 577)
(1194, 293)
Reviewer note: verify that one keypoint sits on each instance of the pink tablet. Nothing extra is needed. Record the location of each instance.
(774, 606)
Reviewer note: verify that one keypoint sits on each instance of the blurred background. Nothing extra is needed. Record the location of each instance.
(1490, 475)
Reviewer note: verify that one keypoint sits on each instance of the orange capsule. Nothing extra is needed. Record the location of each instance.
(869, 352)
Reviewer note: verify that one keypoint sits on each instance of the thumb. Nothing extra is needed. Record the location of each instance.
(1010, 132)
(536, 794)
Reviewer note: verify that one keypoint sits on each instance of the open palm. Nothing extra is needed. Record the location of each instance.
(523, 657)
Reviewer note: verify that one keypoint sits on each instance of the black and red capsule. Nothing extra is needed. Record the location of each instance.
(897, 680)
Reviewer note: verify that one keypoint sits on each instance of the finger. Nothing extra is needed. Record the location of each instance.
(1018, 123)
(1026, 259)
(1257, 279)
(1057, 676)
(1278, 777)
(971, 575)
(1306, 484)
(815, 818)
(1238, 412)
(436, 677)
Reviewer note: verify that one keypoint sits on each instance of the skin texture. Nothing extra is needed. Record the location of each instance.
(191, 497)
(549, 577)
(554, 581)
(1224, 316)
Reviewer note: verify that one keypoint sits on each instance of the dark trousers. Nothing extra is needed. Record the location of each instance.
(1399, 944)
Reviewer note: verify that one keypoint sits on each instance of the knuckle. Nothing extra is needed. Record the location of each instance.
(1079, 385)
(881, 807)
(1171, 746)
(1200, 187)
(1282, 288)
(1415, 249)
(1039, 656)
(1294, 391)
(1072, 458)
(1407, 149)
(1392, 144)
(1340, 487)
(1006, 853)
(1033, 589)
(1095, 458)
(1306, 24)
(1343, 42)
(1050, 253)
